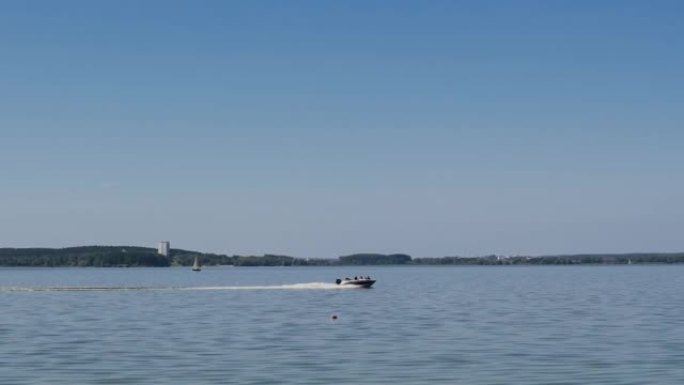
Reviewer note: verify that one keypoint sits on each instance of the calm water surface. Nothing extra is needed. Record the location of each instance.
(441, 325)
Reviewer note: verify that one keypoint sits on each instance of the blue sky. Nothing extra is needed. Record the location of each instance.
(318, 129)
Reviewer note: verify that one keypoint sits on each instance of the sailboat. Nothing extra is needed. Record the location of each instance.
(196, 265)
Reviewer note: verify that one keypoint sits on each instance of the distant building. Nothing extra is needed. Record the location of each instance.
(163, 248)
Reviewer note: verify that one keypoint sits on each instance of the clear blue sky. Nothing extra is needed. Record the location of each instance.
(322, 128)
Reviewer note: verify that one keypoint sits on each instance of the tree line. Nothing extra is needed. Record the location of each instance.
(133, 256)
(100, 256)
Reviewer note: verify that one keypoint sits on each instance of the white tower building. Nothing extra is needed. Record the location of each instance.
(163, 248)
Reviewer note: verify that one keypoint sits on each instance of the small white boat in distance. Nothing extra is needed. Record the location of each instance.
(365, 282)
(196, 265)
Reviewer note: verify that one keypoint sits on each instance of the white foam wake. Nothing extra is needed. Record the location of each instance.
(292, 286)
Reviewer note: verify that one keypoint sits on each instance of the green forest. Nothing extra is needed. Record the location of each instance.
(133, 256)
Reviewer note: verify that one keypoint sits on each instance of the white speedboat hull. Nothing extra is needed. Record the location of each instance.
(363, 282)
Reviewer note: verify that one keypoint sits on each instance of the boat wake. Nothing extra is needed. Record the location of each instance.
(292, 286)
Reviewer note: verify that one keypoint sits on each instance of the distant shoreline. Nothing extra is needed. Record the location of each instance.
(134, 256)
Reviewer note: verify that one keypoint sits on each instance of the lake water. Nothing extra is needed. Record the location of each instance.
(417, 325)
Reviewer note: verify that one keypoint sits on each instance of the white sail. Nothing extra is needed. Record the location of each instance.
(196, 265)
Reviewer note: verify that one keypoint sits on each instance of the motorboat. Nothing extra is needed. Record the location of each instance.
(364, 282)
